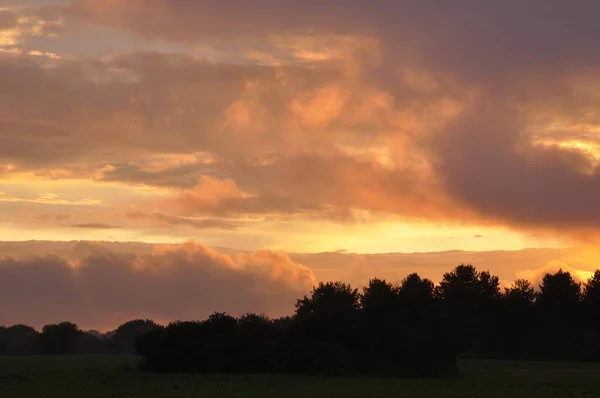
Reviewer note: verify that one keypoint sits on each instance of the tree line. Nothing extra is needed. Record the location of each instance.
(67, 339)
(412, 328)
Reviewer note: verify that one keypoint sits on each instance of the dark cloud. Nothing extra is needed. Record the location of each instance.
(194, 223)
(8, 19)
(477, 38)
(95, 226)
(190, 281)
(488, 164)
(185, 176)
(58, 217)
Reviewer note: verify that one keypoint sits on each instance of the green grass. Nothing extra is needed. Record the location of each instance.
(113, 376)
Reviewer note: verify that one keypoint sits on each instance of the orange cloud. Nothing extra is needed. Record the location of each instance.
(320, 110)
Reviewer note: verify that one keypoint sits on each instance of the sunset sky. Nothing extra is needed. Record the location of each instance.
(273, 129)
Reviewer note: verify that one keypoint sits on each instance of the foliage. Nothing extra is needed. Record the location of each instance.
(411, 329)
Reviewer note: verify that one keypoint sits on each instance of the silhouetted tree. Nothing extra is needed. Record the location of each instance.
(325, 327)
(329, 312)
(123, 340)
(332, 299)
(380, 306)
(558, 317)
(220, 333)
(510, 338)
(520, 294)
(149, 344)
(591, 315)
(468, 297)
(425, 333)
(406, 329)
(176, 348)
(63, 338)
(559, 294)
(19, 340)
(591, 301)
(3, 345)
(261, 345)
(379, 329)
(416, 297)
(379, 299)
(403, 333)
(489, 291)
(219, 324)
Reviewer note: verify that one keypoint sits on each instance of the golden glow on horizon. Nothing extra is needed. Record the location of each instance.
(304, 235)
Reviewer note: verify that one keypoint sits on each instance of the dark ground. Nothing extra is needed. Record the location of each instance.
(114, 376)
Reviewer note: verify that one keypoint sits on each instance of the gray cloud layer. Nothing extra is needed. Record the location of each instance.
(479, 38)
(102, 288)
(102, 284)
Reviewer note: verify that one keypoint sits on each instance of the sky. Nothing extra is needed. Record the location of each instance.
(266, 128)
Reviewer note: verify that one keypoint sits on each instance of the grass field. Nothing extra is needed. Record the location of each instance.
(106, 376)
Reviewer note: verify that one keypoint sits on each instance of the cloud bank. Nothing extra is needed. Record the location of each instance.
(101, 284)
(103, 288)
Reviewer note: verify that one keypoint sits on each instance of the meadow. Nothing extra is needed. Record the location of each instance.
(116, 376)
